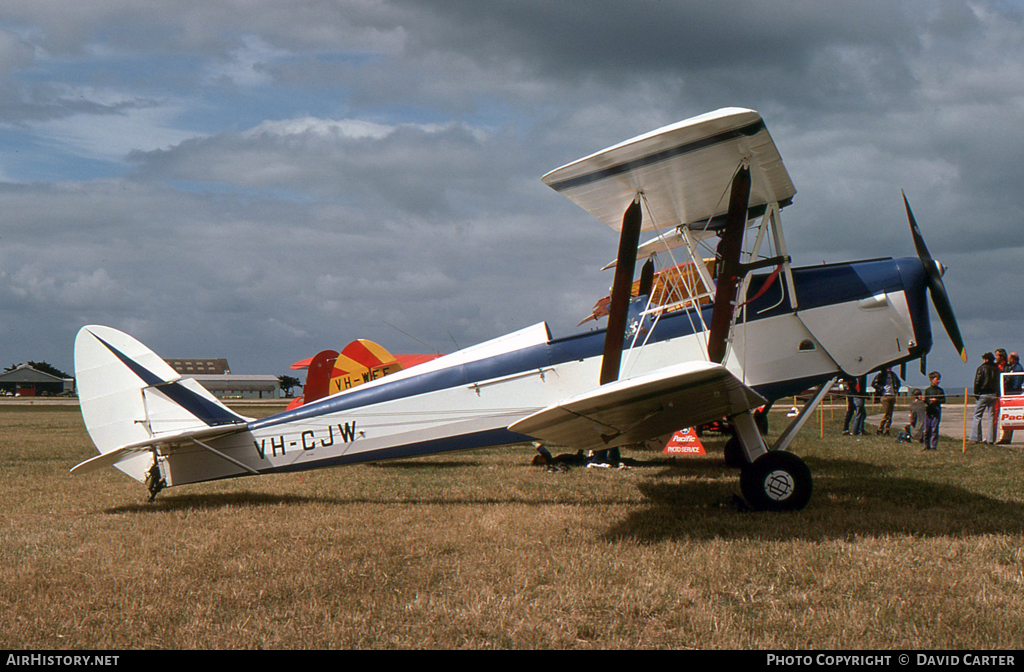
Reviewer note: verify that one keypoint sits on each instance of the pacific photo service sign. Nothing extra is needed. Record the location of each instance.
(685, 442)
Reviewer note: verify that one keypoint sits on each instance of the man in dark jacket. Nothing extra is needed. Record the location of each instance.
(986, 389)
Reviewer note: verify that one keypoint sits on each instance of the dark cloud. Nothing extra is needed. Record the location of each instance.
(354, 164)
(650, 36)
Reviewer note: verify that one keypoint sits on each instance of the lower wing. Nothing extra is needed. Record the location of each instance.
(646, 407)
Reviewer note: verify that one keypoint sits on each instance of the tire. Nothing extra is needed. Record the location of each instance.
(735, 456)
(776, 481)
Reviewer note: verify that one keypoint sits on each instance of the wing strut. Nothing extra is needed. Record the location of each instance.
(787, 436)
(729, 249)
(629, 240)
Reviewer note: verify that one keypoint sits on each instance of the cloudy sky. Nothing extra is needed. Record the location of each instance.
(263, 179)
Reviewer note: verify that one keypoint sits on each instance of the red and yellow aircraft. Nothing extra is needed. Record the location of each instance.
(361, 361)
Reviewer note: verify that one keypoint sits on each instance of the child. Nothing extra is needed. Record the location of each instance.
(934, 397)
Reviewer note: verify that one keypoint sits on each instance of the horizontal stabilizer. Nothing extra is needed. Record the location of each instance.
(683, 170)
(646, 407)
(165, 442)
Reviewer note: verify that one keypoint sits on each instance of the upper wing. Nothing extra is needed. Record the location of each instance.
(684, 171)
(646, 407)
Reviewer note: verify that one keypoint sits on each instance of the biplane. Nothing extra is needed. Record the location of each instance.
(698, 341)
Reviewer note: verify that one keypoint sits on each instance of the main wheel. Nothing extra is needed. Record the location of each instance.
(776, 481)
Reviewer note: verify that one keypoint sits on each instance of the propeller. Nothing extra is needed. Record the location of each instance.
(615, 335)
(934, 270)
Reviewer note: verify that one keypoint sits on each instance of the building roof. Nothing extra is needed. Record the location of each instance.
(26, 374)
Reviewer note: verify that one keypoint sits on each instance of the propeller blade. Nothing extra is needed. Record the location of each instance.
(922, 249)
(729, 249)
(940, 299)
(945, 311)
(629, 240)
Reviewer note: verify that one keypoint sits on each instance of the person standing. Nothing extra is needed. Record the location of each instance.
(848, 384)
(986, 389)
(860, 413)
(855, 410)
(887, 385)
(1014, 383)
(934, 398)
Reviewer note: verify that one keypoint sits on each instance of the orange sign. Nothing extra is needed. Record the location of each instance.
(685, 442)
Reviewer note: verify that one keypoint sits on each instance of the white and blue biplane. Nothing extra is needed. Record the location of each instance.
(740, 329)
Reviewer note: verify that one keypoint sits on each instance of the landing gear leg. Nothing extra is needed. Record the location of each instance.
(748, 436)
(735, 454)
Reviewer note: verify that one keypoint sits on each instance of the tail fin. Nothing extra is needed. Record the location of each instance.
(360, 362)
(129, 395)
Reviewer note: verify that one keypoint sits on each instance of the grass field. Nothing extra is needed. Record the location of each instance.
(897, 549)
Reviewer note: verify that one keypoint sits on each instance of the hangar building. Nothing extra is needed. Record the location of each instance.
(24, 381)
(215, 375)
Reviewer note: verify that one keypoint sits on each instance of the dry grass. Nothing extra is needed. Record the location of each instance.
(897, 549)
